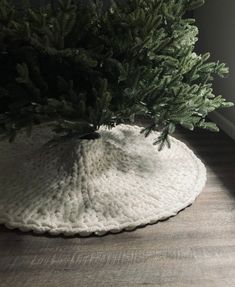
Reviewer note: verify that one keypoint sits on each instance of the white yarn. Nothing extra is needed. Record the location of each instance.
(117, 182)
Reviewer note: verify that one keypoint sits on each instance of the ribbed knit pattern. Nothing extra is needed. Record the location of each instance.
(117, 182)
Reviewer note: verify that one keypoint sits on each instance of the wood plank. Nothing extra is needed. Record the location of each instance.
(195, 248)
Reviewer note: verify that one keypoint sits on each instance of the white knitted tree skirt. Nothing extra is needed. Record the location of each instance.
(117, 182)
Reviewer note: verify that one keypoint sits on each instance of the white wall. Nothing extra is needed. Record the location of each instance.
(216, 22)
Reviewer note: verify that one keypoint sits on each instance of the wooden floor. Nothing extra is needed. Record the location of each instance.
(195, 248)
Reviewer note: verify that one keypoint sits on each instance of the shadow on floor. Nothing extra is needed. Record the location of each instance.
(217, 151)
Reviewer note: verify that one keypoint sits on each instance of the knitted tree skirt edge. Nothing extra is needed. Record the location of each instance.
(117, 182)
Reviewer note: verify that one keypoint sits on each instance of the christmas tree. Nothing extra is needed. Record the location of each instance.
(79, 67)
(76, 68)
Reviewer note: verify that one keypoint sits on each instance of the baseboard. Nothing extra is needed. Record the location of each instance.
(225, 124)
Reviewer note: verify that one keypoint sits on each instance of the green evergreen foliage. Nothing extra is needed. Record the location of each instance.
(79, 67)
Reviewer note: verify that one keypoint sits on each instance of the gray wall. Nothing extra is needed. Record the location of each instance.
(216, 22)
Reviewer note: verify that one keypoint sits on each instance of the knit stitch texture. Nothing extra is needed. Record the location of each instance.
(119, 181)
